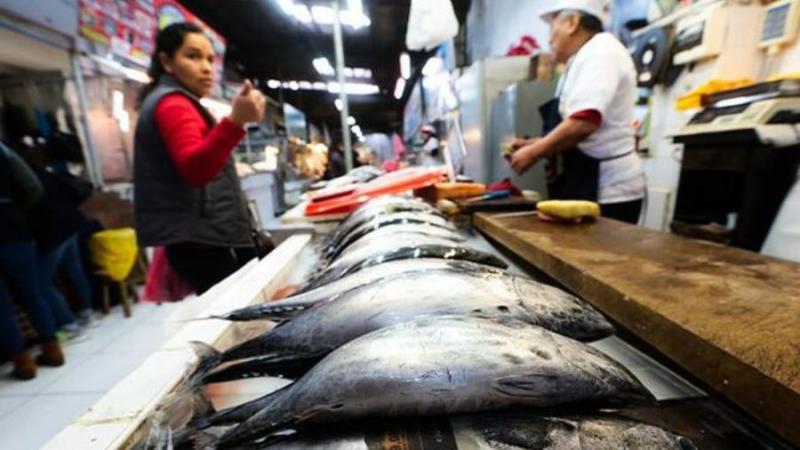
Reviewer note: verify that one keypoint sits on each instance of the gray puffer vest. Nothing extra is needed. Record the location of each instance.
(168, 210)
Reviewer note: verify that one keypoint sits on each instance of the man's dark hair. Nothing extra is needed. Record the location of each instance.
(588, 22)
(591, 23)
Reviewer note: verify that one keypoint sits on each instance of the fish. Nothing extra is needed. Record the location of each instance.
(336, 245)
(437, 366)
(397, 247)
(316, 332)
(380, 206)
(367, 237)
(291, 306)
(490, 431)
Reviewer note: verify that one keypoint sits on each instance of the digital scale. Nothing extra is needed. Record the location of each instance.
(766, 112)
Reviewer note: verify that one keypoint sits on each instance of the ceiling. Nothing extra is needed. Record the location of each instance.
(264, 43)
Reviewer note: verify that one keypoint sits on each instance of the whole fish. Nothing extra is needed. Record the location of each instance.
(377, 207)
(336, 245)
(290, 306)
(490, 431)
(398, 247)
(402, 298)
(437, 366)
(369, 237)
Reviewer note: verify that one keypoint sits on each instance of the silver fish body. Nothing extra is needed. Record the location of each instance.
(441, 366)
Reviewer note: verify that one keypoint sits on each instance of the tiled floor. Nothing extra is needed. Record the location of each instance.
(31, 412)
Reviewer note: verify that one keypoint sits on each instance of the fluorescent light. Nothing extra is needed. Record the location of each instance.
(323, 66)
(354, 88)
(351, 120)
(400, 88)
(294, 85)
(302, 13)
(338, 103)
(348, 72)
(355, 6)
(305, 85)
(273, 84)
(405, 66)
(320, 86)
(287, 6)
(323, 15)
(433, 66)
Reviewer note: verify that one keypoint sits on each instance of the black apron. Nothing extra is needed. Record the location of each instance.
(571, 174)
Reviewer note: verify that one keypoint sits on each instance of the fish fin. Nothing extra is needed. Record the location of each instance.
(530, 385)
(204, 441)
(208, 358)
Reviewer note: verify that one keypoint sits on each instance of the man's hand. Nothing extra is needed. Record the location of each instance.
(518, 143)
(526, 157)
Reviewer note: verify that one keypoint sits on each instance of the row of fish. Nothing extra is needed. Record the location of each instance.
(402, 322)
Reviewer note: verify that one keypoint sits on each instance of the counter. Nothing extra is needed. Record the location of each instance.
(728, 317)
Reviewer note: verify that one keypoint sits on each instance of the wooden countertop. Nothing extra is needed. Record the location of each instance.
(728, 316)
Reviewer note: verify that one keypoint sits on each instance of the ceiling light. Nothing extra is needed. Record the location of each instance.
(273, 84)
(351, 120)
(405, 66)
(433, 66)
(348, 72)
(354, 88)
(323, 15)
(302, 13)
(400, 88)
(287, 6)
(324, 66)
(338, 103)
(355, 6)
(306, 85)
(294, 85)
(320, 86)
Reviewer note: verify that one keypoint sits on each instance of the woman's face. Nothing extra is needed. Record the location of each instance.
(193, 64)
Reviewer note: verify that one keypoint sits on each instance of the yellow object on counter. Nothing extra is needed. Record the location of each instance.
(448, 207)
(694, 99)
(459, 190)
(569, 209)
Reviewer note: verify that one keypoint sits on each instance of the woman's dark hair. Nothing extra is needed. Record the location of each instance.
(168, 41)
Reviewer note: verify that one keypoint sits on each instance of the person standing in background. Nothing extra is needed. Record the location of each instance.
(587, 134)
(19, 270)
(187, 193)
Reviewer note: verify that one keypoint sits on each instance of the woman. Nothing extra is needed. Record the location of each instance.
(187, 194)
(19, 269)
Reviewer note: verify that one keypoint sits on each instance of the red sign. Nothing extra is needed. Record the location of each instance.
(126, 27)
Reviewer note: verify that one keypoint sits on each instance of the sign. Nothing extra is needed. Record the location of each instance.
(126, 28)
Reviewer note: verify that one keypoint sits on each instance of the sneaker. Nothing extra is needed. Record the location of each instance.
(71, 333)
(89, 319)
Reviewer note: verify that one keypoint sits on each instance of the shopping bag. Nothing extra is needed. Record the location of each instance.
(430, 23)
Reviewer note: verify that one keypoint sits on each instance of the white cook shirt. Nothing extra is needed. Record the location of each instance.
(602, 76)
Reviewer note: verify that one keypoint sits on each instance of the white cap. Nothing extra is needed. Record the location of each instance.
(597, 8)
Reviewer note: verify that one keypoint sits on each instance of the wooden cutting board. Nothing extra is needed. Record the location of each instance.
(727, 316)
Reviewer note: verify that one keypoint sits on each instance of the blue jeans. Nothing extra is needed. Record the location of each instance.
(72, 269)
(19, 268)
(48, 265)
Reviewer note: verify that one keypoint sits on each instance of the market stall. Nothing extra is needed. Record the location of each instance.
(673, 312)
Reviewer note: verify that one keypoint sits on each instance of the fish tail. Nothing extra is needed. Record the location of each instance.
(208, 358)
(166, 427)
(204, 441)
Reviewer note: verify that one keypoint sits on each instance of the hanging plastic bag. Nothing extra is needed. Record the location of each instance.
(430, 23)
(114, 251)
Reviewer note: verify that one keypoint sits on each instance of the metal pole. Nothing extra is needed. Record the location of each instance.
(89, 151)
(345, 113)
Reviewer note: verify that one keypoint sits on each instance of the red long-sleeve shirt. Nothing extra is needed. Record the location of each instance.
(198, 153)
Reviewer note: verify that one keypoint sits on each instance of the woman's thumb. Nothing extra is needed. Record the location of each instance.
(246, 87)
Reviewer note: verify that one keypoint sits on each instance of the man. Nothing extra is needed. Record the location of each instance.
(430, 146)
(588, 133)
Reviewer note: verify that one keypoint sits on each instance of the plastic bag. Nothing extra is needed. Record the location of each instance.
(430, 23)
(114, 251)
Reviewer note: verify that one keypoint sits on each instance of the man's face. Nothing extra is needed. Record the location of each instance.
(563, 30)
